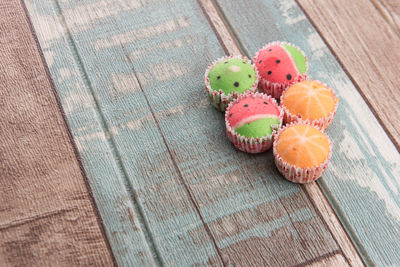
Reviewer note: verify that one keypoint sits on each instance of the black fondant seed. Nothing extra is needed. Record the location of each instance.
(236, 84)
(260, 61)
(269, 72)
(249, 76)
(245, 105)
(265, 103)
(230, 115)
(278, 61)
(270, 50)
(219, 77)
(288, 76)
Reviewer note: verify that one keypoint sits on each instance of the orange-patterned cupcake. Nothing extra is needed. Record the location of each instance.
(310, 101)
(301, 152)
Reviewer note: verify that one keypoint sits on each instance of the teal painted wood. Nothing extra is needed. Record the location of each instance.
(123, 228)
(135, 186)
(130, 78)
(363, 179)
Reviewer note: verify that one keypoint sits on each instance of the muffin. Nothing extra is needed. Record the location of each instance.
(280, 65)
(301, 152)
(251, 121)
(227, 78)
(309, 101)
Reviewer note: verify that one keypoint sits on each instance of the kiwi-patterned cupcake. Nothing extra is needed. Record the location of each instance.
(280, 64)
(309, 101)
(301, 152)
(251, 120)
(228, 77)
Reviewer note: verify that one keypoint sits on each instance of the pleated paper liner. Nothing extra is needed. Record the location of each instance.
(218, 98)
(321, 123)
(251, 144)
(297, 174)
(275, 89)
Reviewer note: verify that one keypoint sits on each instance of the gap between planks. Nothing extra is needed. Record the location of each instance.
(312, 190)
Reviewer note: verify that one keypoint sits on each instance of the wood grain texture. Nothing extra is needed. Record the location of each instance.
(365, 44)
(133, 90)
(47, 216)
(362, 180)
(390, 10)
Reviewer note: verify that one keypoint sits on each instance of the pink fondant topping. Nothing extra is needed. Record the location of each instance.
(250, 109)
(275, 64)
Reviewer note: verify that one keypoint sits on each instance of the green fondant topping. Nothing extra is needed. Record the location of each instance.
(298, 58)
(235, 75)
(257, 128)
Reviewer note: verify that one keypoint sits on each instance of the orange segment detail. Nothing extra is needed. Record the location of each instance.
(309, 99)
(303, 146)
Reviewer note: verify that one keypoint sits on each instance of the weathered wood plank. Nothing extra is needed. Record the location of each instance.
(47, 216)
(123, 220)
(362, 180)
(202, 201)
(369, 55)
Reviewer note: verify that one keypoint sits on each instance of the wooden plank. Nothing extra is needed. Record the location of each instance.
(203, 202)
(369, 55)
(362, 180)
(118, 203)
(47, 216)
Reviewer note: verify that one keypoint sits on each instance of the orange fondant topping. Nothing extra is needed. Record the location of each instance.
(309, 99)
(303, 146)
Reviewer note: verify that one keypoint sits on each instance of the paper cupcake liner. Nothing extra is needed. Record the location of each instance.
(321, 123)
(218, 98)
(251, 144)
(276, 89)
(297, 174)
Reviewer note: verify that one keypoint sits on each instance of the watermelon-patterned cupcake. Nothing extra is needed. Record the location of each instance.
(301, 152)
(310, 101)
(280, 64)
(228, 77)
(251, 120)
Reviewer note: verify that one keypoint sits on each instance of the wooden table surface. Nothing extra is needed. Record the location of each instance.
(110, 153)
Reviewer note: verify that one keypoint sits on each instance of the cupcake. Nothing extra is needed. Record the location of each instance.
(251, 120)
(280, 65)
(309, 101)
(301, 152)
(227, 78)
